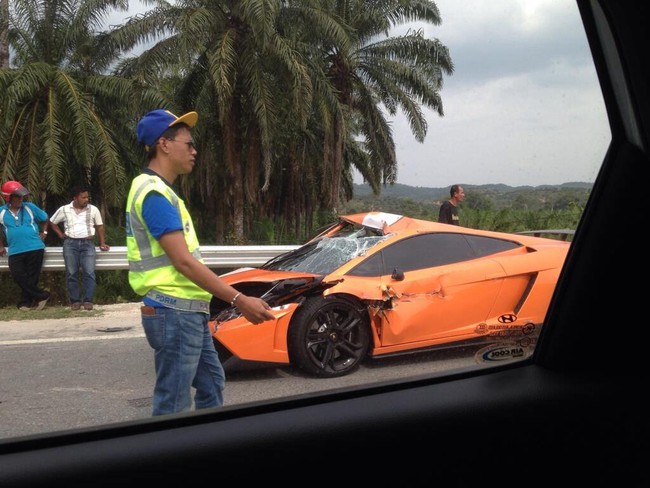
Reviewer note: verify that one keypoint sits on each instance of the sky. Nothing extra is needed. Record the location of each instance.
(523, 106)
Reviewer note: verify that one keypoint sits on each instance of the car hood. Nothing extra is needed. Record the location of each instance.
(278, 287)
(262, 275)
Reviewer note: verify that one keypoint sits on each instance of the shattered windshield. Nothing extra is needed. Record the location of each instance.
(328, 253)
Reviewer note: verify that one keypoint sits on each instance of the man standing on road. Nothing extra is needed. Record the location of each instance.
(25, 227)
(166, 268)
(81, 221)
(449, 210)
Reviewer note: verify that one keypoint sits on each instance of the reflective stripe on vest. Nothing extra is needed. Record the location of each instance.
(178, 303)
(157, 262)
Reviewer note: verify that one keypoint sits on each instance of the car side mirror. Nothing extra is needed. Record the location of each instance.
(398, 274)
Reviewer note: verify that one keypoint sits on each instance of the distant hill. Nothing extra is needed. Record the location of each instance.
(421, 193)
(492, 196)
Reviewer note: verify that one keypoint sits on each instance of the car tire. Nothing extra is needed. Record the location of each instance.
(328, 336)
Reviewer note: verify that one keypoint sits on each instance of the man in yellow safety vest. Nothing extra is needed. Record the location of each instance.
(166, 269)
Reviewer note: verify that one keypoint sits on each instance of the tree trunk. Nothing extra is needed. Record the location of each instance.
(4, 28)
(232, 157)
(333, 165)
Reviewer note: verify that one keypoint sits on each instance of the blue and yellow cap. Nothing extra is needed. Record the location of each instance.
(156, 122)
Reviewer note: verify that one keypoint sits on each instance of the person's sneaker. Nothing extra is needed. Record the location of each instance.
(42, 303)
(75, 306)
(24, 308)
(88, 305)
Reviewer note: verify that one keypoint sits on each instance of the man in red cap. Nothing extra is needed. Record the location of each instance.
(24, 225)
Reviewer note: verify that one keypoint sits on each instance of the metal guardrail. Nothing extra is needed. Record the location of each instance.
(216, 257)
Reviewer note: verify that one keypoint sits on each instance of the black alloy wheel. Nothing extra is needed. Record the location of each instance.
(328, 337)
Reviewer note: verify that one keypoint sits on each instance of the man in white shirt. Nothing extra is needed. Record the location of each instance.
(81, 222)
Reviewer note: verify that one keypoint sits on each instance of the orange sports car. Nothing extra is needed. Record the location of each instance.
(379, 284)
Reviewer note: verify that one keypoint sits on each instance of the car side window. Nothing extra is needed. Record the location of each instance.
(418, 252)
(429, 250)
(426, 251)
(484, 246)
(372, 266)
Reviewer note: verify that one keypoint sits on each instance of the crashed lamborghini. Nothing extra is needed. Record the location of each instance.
(377, 284)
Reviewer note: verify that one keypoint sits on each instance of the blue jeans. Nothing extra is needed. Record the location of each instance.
(184, 357)
(79, 255)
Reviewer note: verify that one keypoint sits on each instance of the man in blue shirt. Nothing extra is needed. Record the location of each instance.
(167, 270)
(24, 225)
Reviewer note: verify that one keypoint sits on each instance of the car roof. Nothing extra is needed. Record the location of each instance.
(404, 226)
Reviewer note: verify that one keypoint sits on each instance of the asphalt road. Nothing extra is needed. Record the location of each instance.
(63, 374)
(70, 373)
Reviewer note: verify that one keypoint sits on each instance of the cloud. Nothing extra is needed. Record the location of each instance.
(523, 106)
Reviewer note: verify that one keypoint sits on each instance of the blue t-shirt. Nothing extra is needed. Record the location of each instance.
(22, 230)
(161, 217)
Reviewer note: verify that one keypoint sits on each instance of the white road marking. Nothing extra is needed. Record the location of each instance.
(68, 339)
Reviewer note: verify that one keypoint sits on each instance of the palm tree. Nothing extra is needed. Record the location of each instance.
(292, 96)
(62, 114)
(376, 75)
(239, 72)
(358, 77)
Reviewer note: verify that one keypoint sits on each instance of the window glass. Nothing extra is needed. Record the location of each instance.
(522, 110)
(484, 246)
(426, 251)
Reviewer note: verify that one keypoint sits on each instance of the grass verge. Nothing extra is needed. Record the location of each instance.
(48, 313)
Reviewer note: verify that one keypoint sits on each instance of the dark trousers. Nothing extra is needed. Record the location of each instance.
(25, 269)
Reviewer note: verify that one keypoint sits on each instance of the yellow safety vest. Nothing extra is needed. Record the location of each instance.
(151, 272)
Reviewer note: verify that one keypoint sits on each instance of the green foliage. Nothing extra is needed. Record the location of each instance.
(115, 235)
(64, 119)
(10, 291)
(267, 230)
(113, 287)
